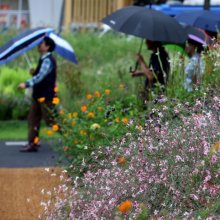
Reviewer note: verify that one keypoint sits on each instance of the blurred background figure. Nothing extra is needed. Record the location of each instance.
(195, 68)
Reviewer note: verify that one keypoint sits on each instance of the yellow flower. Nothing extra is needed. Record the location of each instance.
(83, 132)
(75, 141)
(100, 108)
(83, 108)
(89, 96)
(61, 112)
(95, 126)
(44, 130)
(73, 123)
(75, 114)
(124, 120)
(97, 94)
(56, 101)
(139, 127)
(125, 206)
(90, 115)
(56, 89)
(117, 120)
(65, 148)
(36, 140)
(107, 91)
(42, 99)
(50, 133)
(69, 115)
(55, 127)
(214, 148)
(121, 86)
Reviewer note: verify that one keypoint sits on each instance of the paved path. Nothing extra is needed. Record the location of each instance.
(10, 157)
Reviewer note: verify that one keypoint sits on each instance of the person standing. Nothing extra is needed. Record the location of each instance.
(43, 84)
(157, 70)
(195, 67)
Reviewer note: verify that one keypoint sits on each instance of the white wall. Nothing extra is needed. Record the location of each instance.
(45, 13)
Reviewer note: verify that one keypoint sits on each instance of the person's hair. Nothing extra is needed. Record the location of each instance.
(199, 46)
(49, 42)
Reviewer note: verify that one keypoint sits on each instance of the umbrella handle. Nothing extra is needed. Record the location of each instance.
(135, 68)
(137, 63)
(28, 60)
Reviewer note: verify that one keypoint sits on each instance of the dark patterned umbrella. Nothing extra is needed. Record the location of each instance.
(146, 23)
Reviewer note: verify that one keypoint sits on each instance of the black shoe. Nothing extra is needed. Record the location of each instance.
(29, 148)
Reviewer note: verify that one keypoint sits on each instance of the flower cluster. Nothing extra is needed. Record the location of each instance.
(97, 121)
(164, 170)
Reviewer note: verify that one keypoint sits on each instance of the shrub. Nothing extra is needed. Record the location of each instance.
(99, 120)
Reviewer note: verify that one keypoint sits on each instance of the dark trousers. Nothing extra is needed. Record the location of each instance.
(37, 112)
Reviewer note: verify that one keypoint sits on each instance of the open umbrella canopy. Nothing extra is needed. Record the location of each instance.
(63, 48)
(198, 35)
(22, 43)
(204, 19)
(146, 23)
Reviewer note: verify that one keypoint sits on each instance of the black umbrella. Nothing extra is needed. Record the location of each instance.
(206, 20)
(146, 23)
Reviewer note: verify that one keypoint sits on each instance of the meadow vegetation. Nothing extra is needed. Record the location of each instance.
(126, 161)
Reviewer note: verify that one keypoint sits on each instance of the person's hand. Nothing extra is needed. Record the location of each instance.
(133, 73)
(31, 71)
(22, 86)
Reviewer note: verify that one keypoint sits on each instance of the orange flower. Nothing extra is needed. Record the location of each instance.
(56, 101)
(36, 140)
(65, 149)
(125, 206)
(55, 127)
(90, 115)
(121, 160)
(89, 96)
(42, 99)
(124, 120)
(50, 132)
(97, 94)
(214, 148)
(107, 91)
(83, 108)
(56, 89)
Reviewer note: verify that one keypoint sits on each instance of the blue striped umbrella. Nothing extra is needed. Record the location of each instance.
(22, 43)
(63, 48)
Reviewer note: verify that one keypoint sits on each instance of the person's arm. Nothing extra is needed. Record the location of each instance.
(145, 70)
(44, 70)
